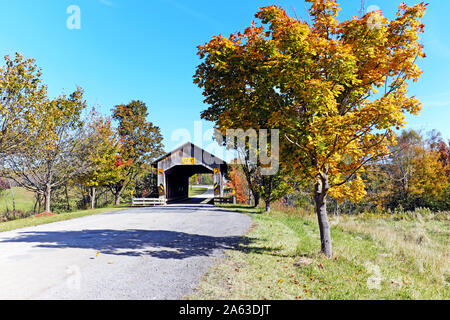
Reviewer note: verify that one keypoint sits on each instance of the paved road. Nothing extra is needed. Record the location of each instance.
(205, 197)
(139, 253)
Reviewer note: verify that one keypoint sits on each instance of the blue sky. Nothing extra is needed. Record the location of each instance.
(146, 50)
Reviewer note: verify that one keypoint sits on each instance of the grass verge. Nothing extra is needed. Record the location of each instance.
(373, 259)
(34, 221)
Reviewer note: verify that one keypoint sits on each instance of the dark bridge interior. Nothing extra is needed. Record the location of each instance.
(177, 180)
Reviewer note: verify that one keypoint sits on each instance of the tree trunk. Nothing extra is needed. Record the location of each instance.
(38, 203)
(256, 197)
(35, 204)
(267, 205)
(48, 193)
(67, 197)
(105, 198)
(117, 197)
(117, 190)
(7, 207)
(92, 195)
(320, 199)
(13, 202)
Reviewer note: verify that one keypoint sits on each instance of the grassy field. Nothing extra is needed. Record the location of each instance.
(373, 259)
(194, 191)
(24, 200)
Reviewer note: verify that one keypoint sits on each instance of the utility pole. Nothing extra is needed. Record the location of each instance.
(362, 11)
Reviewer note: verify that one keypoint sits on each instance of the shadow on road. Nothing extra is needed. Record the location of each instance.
(156, 243)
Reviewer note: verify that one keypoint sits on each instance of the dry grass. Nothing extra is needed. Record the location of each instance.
(411, 240)
(373, 259)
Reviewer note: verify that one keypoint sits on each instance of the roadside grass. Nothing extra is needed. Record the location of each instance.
(280, 258)
(34, 221)
(194, 191)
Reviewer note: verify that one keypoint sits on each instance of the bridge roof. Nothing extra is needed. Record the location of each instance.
(192, 146)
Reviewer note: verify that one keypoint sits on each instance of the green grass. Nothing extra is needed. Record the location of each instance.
(33, 221)
(194, 191)
(24, 200)
(280, 258)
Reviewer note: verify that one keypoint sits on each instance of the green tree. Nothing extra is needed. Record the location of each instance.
(146, 185)
(274, 187)
(140, 143)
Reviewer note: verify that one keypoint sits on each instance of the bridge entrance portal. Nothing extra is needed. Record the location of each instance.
(175, 168)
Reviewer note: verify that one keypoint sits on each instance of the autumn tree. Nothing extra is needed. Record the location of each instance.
(442, 147)
(238, 183)
(252, 173)
(47, 159)
(429, 179)
(268, 187)
(140, 143)
(276, 186)
(97, 149)
(22, 97)
(336, 90)
(416, 173)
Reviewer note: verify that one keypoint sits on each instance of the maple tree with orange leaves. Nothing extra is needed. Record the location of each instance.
(336, 90)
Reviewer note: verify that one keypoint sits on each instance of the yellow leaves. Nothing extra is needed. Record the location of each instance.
(428, 174)
(328, 75)
(23, 102)
(353, 190)
(98, 148)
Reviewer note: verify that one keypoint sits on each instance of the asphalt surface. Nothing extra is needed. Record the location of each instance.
(139, 253)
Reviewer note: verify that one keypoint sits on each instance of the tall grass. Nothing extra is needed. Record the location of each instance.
(396, 257)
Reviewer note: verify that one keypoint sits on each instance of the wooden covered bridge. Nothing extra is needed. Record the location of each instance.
(175, 168)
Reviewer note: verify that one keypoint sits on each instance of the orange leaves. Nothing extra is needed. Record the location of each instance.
(324, 12)
(239, 184)
(403, 6)
(336, 90)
